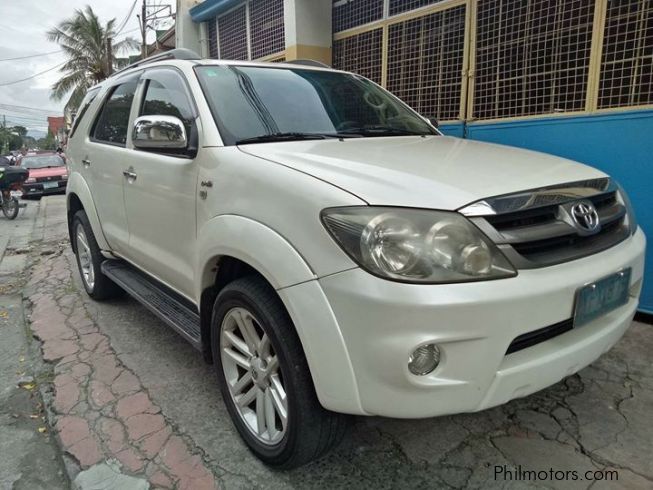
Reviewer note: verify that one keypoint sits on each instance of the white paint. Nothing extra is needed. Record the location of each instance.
(435, 172)
(357, 330)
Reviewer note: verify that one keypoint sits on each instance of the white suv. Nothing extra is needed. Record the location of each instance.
(332, 253)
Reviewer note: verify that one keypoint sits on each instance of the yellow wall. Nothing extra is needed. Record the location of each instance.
(306, 52)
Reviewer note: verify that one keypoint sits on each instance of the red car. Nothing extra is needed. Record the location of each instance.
(48, 174)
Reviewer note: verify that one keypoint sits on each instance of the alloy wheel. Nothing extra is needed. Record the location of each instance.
(251, 370)
(84, 257)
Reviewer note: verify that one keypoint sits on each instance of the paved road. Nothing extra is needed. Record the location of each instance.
(599, 419)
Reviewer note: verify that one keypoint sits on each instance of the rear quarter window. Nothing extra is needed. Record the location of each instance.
(83, 108)
(112, 123)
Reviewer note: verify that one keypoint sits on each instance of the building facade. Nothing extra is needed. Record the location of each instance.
(568, 77)
(57, 126)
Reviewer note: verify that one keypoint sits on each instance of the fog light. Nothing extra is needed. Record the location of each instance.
(424, 359)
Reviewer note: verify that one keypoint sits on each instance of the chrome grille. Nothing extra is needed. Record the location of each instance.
(535, 228)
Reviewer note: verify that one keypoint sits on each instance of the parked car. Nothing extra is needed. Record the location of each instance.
(332, 253)
(48, 174)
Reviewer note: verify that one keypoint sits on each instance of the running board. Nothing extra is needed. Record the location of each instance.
(169, 306)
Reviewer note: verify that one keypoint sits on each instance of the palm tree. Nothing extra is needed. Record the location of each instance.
(84, 41)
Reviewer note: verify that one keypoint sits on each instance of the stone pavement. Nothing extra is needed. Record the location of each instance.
(128, 391)
(101, 409)
(29, 455)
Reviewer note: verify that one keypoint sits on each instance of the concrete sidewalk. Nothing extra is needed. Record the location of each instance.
(130, 392)
(30, 457)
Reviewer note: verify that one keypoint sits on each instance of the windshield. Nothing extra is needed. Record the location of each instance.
(42, 161)
(250, 103)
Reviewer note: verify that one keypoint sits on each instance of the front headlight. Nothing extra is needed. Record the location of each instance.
(623, 199)
(30, 180)
(415, 245)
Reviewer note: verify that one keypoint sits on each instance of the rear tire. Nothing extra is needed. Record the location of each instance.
(10, 208)
(89, 261)
(309, 430)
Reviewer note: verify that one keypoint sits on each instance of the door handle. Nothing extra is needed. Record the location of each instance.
(129, 173)
(86, 162)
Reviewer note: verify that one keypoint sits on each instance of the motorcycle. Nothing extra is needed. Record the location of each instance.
(11, 182)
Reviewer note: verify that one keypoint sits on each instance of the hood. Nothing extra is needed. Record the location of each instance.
(47, 172)
(437, 172)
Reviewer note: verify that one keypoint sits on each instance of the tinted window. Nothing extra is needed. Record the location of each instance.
(166, 95)
(254, 101)
(112, 124)
(90, 97)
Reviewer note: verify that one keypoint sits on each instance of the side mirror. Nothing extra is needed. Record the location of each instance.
(434, 121)
(159, 133)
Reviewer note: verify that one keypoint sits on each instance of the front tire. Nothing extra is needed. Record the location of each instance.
(89, 260)
(265, 380)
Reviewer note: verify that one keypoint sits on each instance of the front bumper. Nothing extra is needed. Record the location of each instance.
(381, 322)
(37, 189)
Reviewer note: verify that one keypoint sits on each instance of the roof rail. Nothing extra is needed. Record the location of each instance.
(173, 54)
(308, 63)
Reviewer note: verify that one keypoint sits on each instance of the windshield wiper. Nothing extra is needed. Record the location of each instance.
(384, 131)
(293, 136)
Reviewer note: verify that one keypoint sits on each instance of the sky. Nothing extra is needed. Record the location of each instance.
(23, 24)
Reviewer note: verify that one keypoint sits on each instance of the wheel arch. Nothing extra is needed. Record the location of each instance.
(231, 247)
(78, 197)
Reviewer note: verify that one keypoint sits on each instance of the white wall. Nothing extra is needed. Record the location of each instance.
(308, 22)
(187, 32)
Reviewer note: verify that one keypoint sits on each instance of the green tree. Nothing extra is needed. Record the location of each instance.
(47, 143)
(15, 142)
(83, 39)
(20, 131)
(11, 138)
(29, 142)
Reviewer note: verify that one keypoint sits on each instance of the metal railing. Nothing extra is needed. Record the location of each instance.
(499, 60)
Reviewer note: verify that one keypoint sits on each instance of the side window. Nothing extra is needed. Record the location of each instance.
(166, 95)
(83, 107)
(112, 124)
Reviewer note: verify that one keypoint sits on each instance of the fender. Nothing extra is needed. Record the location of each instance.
(78, 186)
(286, 270)
(255, 244)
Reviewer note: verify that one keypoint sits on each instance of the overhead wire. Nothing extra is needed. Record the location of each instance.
(126, 19)
(26, 120)
(10, 106)
(4, 84)
(30, 56)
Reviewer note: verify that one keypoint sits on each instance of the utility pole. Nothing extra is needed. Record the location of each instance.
(4, 134)
(151, 13)
(109, 57)
(144, 30)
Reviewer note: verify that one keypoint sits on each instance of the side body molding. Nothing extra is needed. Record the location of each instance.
(78, 186)
(287, 271)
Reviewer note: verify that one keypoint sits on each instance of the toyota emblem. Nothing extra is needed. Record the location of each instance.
(585, 216)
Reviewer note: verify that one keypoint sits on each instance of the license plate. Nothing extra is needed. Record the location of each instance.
(50, 185)
(16, 194)
(601, 297)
